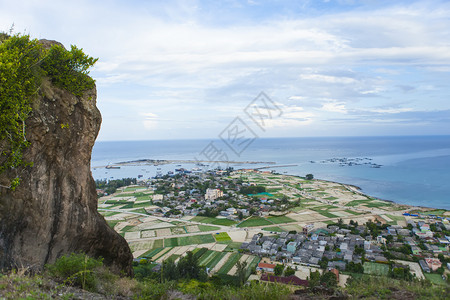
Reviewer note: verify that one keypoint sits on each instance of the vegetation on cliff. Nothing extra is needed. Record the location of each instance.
(78, 276)
(24, 62)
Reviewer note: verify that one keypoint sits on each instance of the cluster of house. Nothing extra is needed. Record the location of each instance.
(185, 198)
(341, 247)
(300, 249)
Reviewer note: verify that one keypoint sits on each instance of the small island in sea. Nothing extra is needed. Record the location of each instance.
(265, 219)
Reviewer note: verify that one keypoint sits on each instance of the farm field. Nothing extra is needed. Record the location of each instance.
(254, 221)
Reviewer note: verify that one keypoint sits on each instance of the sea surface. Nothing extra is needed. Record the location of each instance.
(413, 170)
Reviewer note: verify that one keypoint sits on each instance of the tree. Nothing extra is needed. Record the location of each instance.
(328, 279)
(314, 279)
(241, 272)
(289, 271)
(23, 65)
(278, 270)
(309, 177)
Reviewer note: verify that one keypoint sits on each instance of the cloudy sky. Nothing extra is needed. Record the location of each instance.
(186, 69)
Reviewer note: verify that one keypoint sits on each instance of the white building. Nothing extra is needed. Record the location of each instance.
(213, 194)
(158, 198)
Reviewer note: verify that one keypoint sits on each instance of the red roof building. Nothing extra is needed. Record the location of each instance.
(266, 267)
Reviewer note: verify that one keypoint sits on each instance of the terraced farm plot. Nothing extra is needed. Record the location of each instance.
(132, 235)
(280, 219)
(232, 246)
(232, 260)
(214, 221)
(206, 257)
(215, 260)
(178, 230)
(254, 221)
(204, 228)
(163, 232)
(395, 219)
(148, 234)
(274, 229)
(222, 237)
(147, 245)
(327, 214)
(189, 240)
(376, 269)
(151, 253)
(352, 212)
(193, 228)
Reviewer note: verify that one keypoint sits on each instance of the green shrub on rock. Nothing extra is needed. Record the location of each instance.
(76, 269)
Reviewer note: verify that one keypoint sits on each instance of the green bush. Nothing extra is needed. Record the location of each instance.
(76, 269)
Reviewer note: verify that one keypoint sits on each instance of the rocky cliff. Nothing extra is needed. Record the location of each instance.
(54, 209)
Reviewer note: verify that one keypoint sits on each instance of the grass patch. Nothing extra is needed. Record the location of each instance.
(331, 198)
(435, 279)
(280, 219)
(437, 212)
(376, 269)
(222, 237)
(254, 221)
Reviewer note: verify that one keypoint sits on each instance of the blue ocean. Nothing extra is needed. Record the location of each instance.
(411, 170)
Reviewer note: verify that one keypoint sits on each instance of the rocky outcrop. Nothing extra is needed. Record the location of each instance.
(54, 209)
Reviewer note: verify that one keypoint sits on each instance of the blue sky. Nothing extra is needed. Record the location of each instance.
(186, 69)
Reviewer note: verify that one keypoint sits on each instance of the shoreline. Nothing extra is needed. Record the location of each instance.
(354, 188)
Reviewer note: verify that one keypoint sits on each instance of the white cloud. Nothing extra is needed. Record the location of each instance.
(203, 62)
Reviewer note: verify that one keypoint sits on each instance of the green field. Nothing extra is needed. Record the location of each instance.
(152, 252)
(232, 260)
(206, 257)
(252, 265)
(207, 228)
(215, 260)
(273, 228)
(189, 240)
(280, 219)
(113, 223)
(331, 198)
(376, 269)
(222, 237)
(134, 188)
(327, 214)
(352, 212)
(395, 219)
(214, 221)
(109, 213)
(232, 246)
(254, 221)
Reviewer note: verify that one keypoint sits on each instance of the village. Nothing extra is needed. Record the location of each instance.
(274, 222)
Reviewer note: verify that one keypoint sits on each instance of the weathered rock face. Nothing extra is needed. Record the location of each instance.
(54, 209)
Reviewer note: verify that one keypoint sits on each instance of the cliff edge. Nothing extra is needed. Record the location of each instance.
(54, 209)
